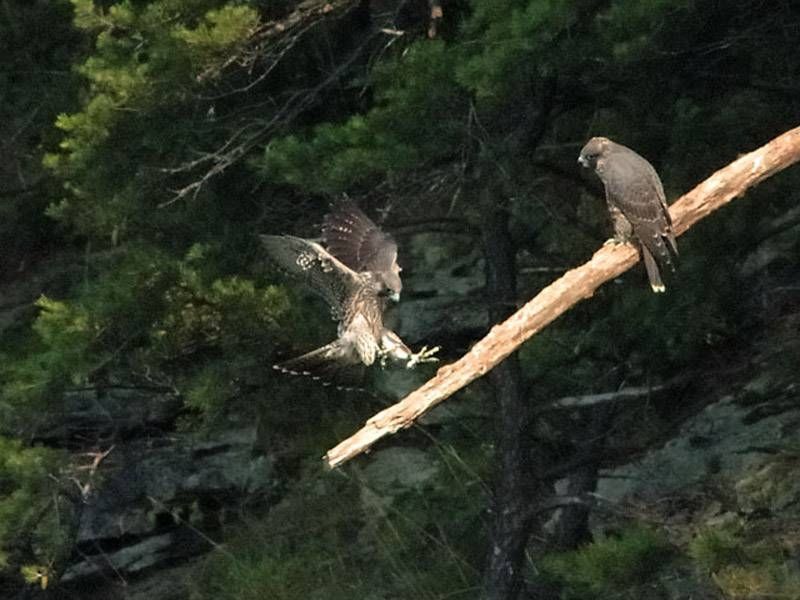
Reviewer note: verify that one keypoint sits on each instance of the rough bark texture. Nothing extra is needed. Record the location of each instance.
(509, 528)
(575, 285)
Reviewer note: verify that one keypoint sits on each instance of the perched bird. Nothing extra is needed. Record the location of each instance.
(355, 293)
(636, 201)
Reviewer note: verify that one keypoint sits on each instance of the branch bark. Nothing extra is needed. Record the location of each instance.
(575, 285)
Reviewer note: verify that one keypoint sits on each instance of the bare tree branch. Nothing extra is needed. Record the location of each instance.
(631, 393)
(270, 43)
(282, 35)
(575, 285)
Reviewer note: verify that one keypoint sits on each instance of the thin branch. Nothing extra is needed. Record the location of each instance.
(305, 15)
(575, 285)
(233, 150)
(632, 393)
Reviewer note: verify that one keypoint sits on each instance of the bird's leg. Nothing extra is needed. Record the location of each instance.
(393, 348)
(384, 354)
(623, 230)
(425, 355)
(615, 241)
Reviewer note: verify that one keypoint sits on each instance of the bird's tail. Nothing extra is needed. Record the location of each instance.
(330, 365)
(658, 252)
(653, 273)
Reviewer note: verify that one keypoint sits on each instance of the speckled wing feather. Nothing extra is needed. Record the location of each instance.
(311, 264)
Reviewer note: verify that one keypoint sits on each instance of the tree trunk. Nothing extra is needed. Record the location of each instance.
(510, 521)
(570, 524)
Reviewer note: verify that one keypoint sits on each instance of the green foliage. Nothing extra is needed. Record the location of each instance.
(219, 33)
(774, 579)
(414, 93)
(144, 82)
(56, 356)
(27, 499)
(500, 102)
(716, 547)
(203, 310)
(207, 391)
(745, 564)
(608, 567)
(147, 313)
(335, 537)
(517, 41)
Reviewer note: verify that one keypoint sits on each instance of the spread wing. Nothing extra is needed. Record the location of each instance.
(353, 238)
(315, 267)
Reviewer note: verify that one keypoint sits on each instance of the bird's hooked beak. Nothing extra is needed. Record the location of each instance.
(394, 297)
(582, 161)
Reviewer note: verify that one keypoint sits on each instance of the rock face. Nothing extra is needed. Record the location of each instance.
(722, 439)
(107, 414)
(441, 297)
(159, 495)
(725, 490)
(161, 485)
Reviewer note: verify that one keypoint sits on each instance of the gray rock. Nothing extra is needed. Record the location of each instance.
(108, 412)
(442, 295)
(144, 479)
(395, 470)
(391, 473)
(714, 441)
(130, 560)
(155, 497)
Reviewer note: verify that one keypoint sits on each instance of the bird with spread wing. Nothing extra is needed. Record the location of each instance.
(355, 275)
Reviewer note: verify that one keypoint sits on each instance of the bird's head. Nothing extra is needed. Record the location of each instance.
(391, 287)
(593, 151)
(382, 285)
(391, 280)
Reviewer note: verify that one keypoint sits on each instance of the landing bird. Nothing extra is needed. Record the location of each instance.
(357, 298)
(636, 202)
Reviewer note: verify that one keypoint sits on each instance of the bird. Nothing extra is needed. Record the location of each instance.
(636, 203)
(356, 294)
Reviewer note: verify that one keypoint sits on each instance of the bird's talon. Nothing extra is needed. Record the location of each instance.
(425, 355)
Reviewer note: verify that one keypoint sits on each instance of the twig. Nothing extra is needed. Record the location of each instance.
(630, 393)
(575, 285)
(252, 134)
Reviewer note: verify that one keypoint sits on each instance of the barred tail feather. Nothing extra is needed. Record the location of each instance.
(332, 364)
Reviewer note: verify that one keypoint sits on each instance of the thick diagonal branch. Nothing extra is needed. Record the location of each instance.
(575, 285)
